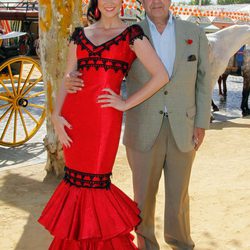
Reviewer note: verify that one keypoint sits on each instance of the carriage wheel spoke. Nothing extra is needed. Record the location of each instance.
(5, 113)
(23, 123)
(36, 106)
(20, 77)
(5, 105)
(6, 88)
(32, 86)
(15, 126)
(31, 116)
(35, 95)
(4, 98)
(12, 80)
(7, 125)
(27, 79)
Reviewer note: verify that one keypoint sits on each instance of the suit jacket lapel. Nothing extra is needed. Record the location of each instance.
(179, 38)
(145, 26)
(180, 45)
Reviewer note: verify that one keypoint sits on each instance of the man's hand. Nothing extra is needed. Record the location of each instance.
(73, 83)
(199, 134)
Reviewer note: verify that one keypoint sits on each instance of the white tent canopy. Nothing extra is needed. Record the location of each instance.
(211, 28)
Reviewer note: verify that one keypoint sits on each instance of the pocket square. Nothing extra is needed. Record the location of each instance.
(191, 58)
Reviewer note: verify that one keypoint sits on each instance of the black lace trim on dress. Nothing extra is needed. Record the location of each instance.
(96, 50)
(136, 32)
(106, 45)
(105, 63)
(87, 180)
(75, 35)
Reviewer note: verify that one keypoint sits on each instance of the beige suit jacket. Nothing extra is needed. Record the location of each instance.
(187, 95)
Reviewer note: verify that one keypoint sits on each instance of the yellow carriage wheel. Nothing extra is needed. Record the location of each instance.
(22, 100)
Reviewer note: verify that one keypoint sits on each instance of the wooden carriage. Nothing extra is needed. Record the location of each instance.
(22, 96)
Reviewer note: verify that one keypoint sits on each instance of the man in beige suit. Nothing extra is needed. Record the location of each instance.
(163, 133)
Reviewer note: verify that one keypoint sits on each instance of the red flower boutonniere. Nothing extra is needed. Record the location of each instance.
(189, 41)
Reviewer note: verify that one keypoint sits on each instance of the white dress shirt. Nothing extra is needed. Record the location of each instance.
(165, 44)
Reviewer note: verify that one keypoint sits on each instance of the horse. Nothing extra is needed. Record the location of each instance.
(223, 44)
(237, 70)
(232, 69)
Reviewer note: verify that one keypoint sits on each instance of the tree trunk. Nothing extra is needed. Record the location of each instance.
(57, 19)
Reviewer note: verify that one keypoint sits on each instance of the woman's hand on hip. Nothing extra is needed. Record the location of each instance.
(59, 125)
(112, 100)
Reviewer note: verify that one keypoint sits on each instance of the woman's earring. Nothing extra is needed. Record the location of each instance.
(97, 13)
(122, 10)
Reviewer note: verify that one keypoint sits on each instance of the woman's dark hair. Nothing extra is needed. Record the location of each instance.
(93, 5)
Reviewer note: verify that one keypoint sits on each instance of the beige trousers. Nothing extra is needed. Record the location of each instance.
(147, 169)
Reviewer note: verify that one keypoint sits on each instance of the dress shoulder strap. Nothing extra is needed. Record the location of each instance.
(136, 32)
(76, 36)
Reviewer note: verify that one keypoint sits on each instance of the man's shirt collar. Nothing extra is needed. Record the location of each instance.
(152, 25)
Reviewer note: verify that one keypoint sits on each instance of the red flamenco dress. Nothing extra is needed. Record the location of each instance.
(87, 212)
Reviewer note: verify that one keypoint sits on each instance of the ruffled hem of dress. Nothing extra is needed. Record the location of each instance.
(79, 214)
(123, 242)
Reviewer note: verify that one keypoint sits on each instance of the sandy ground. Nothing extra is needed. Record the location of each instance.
(219, 194)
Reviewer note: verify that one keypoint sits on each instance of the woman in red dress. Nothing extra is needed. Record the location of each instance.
(87, 212)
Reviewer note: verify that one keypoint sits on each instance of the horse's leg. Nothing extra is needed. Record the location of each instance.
(245, 95)
(224, 79)
(219, 84)
(214, 106)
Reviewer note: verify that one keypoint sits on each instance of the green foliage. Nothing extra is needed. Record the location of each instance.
(203, 2)
(223, 2)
